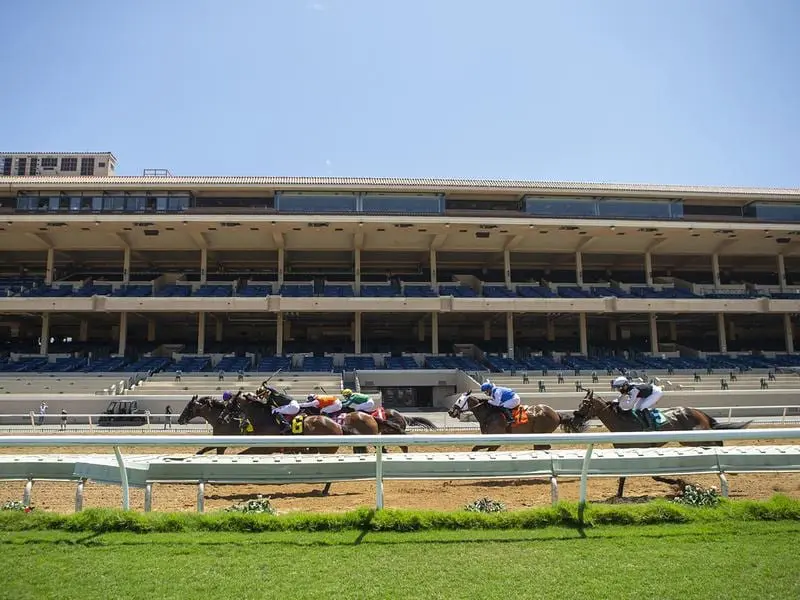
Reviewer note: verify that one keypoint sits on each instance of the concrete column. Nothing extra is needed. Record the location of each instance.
(788, 330)
(673, 331)
(45, 346)
(434, 272)
(201, 333)
(51, 259)
(612, 330)
(203, 265)
(357, 257)
(151, 330)
(357, 332)
(781, 272)
(83, 332)
(583, 334)
(487, 330)
(218, 330)
(723, 342)
(653, 334)
(579, 268)
(648, 268)
(551, 330)
(281, 263)
(126, 265)
(123, 333)
(715, 269)
(279, 335)
(731, 330)
(421, 330)
(510, 334)
(434, 333)
(507, 267)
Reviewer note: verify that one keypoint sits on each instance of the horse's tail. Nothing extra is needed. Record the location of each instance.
(420, 422)
(572, 423)
(717, 425)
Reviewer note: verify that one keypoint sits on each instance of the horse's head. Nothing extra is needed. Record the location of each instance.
(189, 411)
(464, 403)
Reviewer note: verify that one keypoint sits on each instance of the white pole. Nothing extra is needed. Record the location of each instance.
(201, 492)
(79, 495)
(378, 477)
(123, 477)
(587, 458)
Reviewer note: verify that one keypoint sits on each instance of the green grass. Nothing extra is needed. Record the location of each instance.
(703, 560)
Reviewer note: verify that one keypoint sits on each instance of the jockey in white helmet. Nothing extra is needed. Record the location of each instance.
(638, 398)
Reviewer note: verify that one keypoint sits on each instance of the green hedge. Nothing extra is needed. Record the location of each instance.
(563, 515)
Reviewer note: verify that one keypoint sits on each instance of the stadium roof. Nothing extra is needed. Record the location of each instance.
(395, 184)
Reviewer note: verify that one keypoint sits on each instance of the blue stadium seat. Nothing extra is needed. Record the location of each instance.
(317, 364)
(457, 291)
(107, 365)
(571, 291)
(419, 291)
(338, 290)
(191, 364)
(499, 364)
(297, 290)
(271, 364)
(401, 363)
(255, 291)
(213, 291)
(174, 291)
(155, 364)
(233, 364)
(137, 290)
(497, 291)
(535, 291)
(87, 291)
(378, 291)
(451, 362)
(359, 363)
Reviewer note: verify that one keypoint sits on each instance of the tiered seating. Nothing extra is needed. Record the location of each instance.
(378, 291)
(664, 293)
(152, 363)
(570, 291)
(540, 363)
(419, 291)
(255, 291)
(609, 292)
(234, 364)
(785, 295)
(10, 286)
(317, 364)
(401, 363)
(64, 365)
(359, 363)
(174, 291)
(297, 290)
(60, 291)
(191, 364)
(213, 291)
(133, 290)
(498, 364)
(457, 291)
(535, 291)
(24, 365)
(270, 364)
(338, 290)
(87, 291)
(452, 362)
(107, 365)
(497, 291)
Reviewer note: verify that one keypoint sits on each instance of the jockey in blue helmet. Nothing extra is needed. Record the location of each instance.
(226, 396)
(503, 398)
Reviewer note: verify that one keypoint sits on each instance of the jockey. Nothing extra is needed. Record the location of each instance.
(285, 411)
(356, 401)
(639, 397)
(327, 405)
(503, 398)
(226, 396)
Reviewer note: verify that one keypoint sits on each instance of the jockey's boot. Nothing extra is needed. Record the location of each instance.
(285, 424)
(648, 419)
(509, 415)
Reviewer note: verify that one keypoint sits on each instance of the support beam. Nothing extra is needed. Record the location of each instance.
(551, 329)
(83, 332)
(218, 330)
(48, 273)
(673, 331)
(648, 268)
(357, 332)
(279, 336)
(788, 330)
(612, 330)
(123, 333)
(151, 330)
(126, 265)
(438, 240)
(281, 265)
(781, 272)
(203, 265)
(434, 333)
(487, 331)
(723, 341)
(45, 335)
(653, 333)
(434, 272)
(507, 267)
(579, 268)
(510, 334)
(357, 260)
(199, 238)
(201, 333)
(715, 269)
(584, 349)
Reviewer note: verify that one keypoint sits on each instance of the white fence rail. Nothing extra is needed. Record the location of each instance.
(298, 469)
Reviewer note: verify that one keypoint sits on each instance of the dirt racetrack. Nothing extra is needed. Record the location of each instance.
(445, 495)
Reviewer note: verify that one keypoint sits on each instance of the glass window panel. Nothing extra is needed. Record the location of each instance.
(178, 204)
(635, 209)
(402, 204)
(316, 203)
(777, 212)
(561, 207)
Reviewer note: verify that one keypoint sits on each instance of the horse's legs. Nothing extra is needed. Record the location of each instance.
(404, 449)
(220, 451)
(209, 449)
(542, 447)
(487, 448)
(620, 487)
(326, 490)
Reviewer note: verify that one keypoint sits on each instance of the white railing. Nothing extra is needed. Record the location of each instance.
(303, 441)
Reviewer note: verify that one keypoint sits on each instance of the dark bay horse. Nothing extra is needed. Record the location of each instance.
(678, 418)
(210, 409)
(541, 418)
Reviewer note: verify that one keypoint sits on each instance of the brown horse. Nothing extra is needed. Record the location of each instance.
(541, 418)
(210, 409)
(678, 418)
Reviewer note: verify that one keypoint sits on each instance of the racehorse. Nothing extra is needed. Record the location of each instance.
(540, 418)
(678, 418)
(210, 409)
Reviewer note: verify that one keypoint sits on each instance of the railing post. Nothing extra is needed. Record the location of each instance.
(79, 495)
(723, 484)
(91, 427)
(378, 477)
(730, 414)
(148, 496)
(553, 490)
(33, 421)
(147, 418)
(26, 492)
(587, 458)
(123, 477)
(201, 492)
(783, 417)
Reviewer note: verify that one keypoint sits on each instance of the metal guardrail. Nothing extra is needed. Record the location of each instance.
(462, 460)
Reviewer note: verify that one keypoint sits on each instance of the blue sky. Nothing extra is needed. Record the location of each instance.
(686, 92)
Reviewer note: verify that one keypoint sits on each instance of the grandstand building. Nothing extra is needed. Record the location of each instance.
(323, 274)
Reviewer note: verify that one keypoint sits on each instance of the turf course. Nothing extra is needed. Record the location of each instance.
(730, 560)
